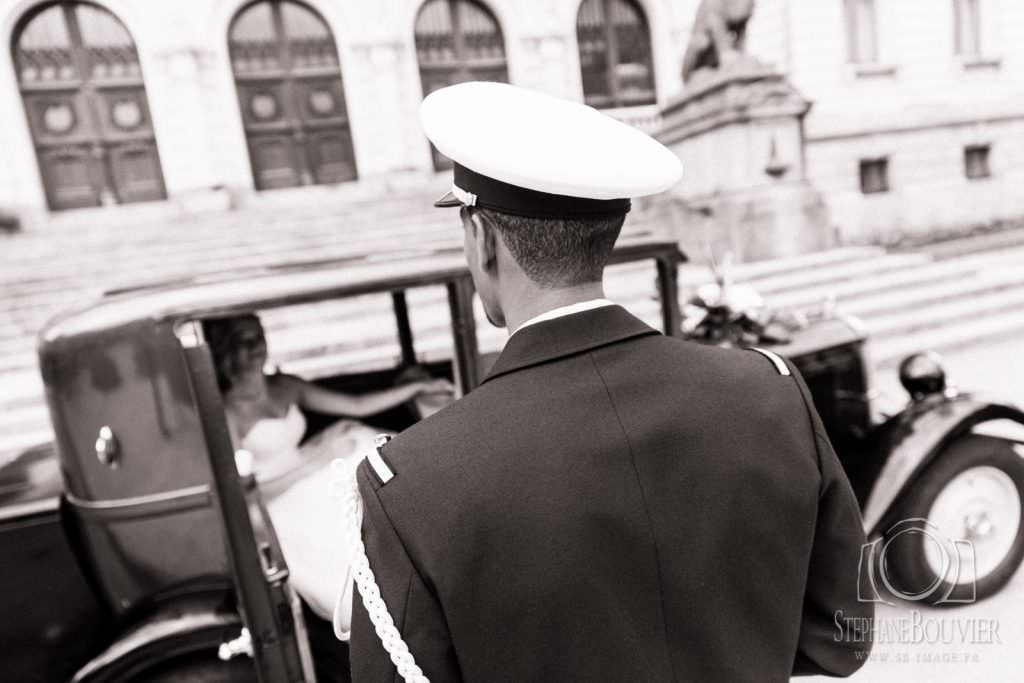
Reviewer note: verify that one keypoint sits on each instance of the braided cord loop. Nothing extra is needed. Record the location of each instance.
(374, 603)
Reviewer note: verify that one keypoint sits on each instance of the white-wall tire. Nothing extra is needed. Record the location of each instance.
(968, 540)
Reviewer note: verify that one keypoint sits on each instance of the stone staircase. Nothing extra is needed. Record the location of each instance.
(943, 296)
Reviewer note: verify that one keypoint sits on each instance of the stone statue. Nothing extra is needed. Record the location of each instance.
(719, 35)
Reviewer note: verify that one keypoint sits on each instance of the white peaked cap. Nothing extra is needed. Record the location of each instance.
(529, 140)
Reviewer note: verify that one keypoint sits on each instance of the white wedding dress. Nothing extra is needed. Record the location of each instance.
(301, 489)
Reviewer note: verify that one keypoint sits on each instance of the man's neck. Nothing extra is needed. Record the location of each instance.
(539, 301)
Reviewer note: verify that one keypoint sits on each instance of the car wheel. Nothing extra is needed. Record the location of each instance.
(201, 668)
(207, 668)
(960, 531)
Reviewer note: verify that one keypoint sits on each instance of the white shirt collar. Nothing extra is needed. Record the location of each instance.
(563, 311)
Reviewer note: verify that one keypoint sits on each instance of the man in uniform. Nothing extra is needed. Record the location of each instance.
(611, 504)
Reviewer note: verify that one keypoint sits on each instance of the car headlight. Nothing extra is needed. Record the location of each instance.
(922, 375)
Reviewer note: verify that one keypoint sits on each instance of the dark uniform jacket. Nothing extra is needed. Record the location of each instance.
(612, 504)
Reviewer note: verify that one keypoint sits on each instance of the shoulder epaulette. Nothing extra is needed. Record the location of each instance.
(776, 359)
(384, 473)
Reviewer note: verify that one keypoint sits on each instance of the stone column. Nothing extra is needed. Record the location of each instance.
(178, 102)
(383, 94)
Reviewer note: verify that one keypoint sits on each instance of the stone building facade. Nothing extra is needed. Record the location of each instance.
(923, 129)
(917, 122)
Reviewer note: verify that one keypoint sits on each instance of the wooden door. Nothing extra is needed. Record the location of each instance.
(81, 83)
(457, 41)
(291, 96)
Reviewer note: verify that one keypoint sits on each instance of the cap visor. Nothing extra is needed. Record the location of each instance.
(448, 199)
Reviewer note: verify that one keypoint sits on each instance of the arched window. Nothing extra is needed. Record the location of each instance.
(291, 96)
(457, 41)
(615, 54)
(82, 86)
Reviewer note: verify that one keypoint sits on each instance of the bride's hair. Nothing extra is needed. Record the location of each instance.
(219, 333)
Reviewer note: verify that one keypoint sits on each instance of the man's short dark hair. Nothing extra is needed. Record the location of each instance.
(559, 252)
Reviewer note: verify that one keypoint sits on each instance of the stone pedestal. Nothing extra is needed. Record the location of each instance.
(739, 133)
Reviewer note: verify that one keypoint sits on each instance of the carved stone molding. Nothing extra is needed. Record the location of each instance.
(739, 131)
(731, 97)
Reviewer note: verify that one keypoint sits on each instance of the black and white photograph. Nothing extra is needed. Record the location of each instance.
(508, 341)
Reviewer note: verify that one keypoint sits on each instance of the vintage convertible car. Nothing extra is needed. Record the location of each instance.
(136, 551)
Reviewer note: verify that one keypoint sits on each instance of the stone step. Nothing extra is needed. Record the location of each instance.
(154, 272)
(387, 201)
(119, 269)
(29, 250)
(33, 416)
(123, 268)
(944, 314)
(25, 314)
(889, 352)
(693, 274)
(17, 361)
(969, 284)
(20, 388)
(256, 220)
(218, 254)
(893, 282)
(226, 228)
(35, 259)
(11, 446)
(758, 270)
(26, 311)
(963, 246)
(17, 345)
(854, 271)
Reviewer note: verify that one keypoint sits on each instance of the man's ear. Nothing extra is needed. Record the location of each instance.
(485, 240)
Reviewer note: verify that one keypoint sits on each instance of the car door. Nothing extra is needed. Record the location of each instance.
(52, 620)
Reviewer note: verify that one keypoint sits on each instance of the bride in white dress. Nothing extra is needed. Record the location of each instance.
(265, 418)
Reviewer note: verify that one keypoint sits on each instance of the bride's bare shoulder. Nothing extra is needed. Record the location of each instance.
(285, 388)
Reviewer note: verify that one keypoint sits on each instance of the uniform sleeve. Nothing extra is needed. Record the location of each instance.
(415, 610)
(831, 596)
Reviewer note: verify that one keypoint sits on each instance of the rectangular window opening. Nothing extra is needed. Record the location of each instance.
(967, 22)
(861, 32)
(976, 164)
(874, 176)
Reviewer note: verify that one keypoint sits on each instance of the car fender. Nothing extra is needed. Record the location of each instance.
(922, 433)
(187, 624)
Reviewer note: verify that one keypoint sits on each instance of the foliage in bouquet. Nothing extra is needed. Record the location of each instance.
(728, 314)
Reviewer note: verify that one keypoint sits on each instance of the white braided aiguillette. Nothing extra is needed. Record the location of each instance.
(366, 582)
